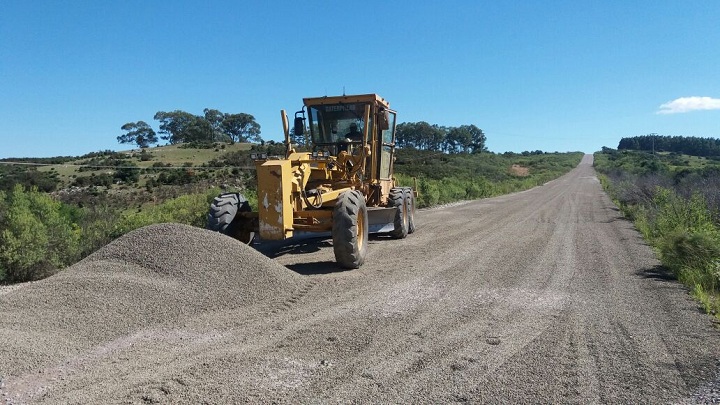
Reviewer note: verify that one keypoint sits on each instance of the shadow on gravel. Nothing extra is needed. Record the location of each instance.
(309, 269)
(305, 244)
(613, 219)
(292, 246)
(659, 273)
(300, 246)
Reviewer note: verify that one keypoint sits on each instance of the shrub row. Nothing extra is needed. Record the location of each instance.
(479, 176)
(40, 235)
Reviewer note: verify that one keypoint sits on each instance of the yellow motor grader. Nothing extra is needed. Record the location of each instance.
(345, 185)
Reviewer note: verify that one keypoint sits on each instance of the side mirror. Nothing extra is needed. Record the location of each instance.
(384, 120)
(299, 126)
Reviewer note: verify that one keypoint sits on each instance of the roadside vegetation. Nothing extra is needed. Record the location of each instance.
(56, 211)
(674, 200)
(445, 178)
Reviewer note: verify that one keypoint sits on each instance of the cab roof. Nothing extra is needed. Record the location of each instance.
(359, 98)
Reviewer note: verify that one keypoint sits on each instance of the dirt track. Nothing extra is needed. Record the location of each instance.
(541, 296)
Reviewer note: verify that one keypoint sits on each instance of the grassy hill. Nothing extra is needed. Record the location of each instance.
(169, 156)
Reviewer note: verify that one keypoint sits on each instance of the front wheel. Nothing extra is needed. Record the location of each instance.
(223, 216)
(350, 229)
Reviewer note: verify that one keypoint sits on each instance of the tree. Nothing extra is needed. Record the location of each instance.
(241, 127)
(198, 130)
(436, 136)
(215, 119)
(427, 136)
(680, 144)
(180, 126)
(458, 140)
(421, 135)
(173, 124)
(139, 133)
(477, 144)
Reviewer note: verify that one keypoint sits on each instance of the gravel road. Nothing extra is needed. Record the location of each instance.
(544, 296)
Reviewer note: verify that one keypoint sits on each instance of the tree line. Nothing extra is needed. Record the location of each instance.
(215, 126)
(688, 145)
(424, 136)
(183, 127)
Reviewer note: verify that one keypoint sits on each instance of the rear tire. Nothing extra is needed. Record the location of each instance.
(398, 200)
(410, 196)
(223, 216)
(350, 229)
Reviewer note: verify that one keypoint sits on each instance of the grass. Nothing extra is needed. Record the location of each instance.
(177, 156)
(173, 155)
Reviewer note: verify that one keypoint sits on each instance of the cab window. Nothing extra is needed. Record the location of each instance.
(336, 122)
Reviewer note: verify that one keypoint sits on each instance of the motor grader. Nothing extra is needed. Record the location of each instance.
(344, 185)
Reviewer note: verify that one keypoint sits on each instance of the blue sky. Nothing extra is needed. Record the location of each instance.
(548, 75)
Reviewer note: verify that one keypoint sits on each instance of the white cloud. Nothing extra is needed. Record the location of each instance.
(687, 104)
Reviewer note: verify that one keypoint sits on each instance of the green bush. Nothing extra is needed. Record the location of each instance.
(189, 209)
(97, 222)
(28, 177)
(37, 235)
(675, 213)
(683, 250)
(429, 193)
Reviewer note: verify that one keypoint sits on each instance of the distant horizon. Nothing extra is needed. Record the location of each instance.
(129, 148)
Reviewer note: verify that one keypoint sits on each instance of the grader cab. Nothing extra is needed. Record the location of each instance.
(344, 185)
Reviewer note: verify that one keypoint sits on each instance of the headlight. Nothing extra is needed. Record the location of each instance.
(320, 155)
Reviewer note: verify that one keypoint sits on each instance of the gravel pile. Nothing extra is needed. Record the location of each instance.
(159, 276)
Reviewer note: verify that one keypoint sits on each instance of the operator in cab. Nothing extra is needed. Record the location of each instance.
(354, 135)
(351, 137)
